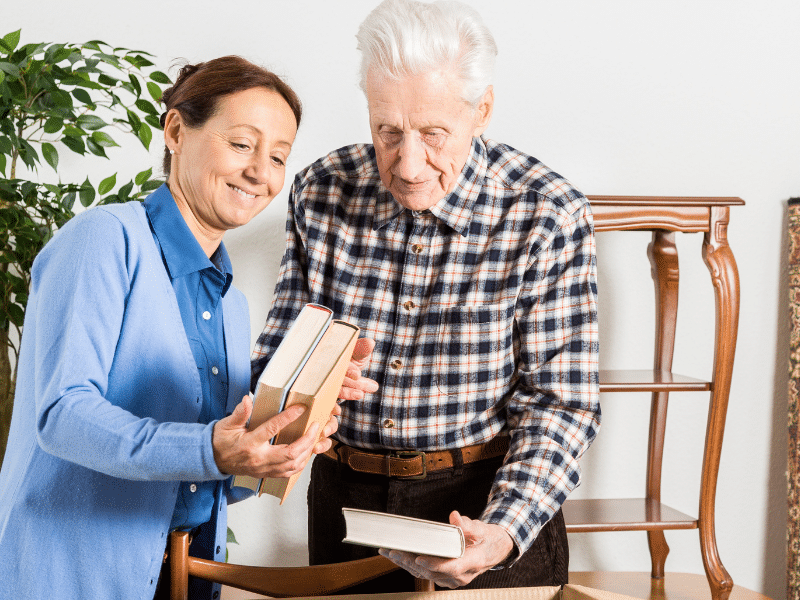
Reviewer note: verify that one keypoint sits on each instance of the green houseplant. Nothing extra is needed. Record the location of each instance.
(57, 98)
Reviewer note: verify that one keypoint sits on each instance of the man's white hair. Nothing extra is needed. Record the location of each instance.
(402, 38)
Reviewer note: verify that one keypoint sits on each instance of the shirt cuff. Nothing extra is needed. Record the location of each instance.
(515, 516)
(209, 464)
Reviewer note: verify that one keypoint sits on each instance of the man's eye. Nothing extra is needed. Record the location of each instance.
(391, 137)
(278, 161)
(240, 146)
(434, 138)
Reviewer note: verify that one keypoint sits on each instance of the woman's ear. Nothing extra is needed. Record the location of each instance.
(173, 131)
(483, 112)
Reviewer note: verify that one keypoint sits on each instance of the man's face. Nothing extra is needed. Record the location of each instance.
(422, 131)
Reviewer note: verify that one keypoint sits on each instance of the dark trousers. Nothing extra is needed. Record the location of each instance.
(464, 488)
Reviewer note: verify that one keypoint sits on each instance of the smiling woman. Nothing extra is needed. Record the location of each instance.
(149, 424)
(228, 130)
(227, 171)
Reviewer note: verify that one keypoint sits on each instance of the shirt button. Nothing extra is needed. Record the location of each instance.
(417, 248)
(193, 488)
(388, 423)
(396, 364)
(408, 304)
(206, 315)
(214, 370)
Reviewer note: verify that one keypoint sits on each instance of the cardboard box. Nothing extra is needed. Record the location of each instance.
(569, 592)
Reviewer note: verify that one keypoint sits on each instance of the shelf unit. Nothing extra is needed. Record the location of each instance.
(665, 217)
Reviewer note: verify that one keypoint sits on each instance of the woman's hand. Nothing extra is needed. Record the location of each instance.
(238, 451)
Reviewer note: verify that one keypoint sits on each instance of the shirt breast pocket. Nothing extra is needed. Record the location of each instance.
(475, 352)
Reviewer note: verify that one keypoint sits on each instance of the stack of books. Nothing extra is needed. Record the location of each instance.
(308, 367)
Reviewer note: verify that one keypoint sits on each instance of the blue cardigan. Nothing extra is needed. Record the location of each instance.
(105, 417)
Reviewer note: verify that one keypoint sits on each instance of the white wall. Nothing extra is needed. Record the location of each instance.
(623, 97)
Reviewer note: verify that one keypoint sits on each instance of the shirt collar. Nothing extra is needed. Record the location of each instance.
(455, 209)
(181, 251)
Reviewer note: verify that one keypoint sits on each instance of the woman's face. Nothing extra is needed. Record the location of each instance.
(228, 170)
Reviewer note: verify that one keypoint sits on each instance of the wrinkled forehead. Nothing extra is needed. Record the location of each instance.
(443, 77)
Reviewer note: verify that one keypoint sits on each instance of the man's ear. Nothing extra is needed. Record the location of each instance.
(173, 130)
(483, 112)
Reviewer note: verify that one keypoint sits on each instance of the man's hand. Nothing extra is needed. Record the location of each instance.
(355, 386)
(241, 452)
(487, 546)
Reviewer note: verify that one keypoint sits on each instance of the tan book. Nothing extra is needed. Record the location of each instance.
(283, 368)
(383, 530)
(317, 387)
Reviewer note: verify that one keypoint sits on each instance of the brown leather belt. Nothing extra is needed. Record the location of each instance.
(411, 463)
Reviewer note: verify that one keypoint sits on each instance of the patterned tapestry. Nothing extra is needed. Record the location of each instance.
(793, 528)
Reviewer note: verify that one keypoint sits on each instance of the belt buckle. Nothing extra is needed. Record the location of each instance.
(411, 454)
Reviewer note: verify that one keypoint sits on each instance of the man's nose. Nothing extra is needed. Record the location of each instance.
(411, 158)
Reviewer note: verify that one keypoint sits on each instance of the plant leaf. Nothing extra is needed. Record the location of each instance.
(107, 184)
(136, 85)
(69, 200)
(153, 184)
(145, 134)
(125, 191)
(50, 155)
(83, 96)
(10, 41)
(86, 193)
(154, 90)
(154, 121)
(160, 77)
(231, 537)
(53, 125)
(95, 148)
(91, 122)
(75, 144)
(10, 69)
(101, 138)
(143, 176)
(146, 107)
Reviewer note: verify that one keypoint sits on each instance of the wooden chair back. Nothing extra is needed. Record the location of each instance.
(278, 582)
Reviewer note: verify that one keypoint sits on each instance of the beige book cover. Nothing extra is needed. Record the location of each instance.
(317, 387)
(282, 370)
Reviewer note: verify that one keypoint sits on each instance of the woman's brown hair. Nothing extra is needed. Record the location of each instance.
(199, 87)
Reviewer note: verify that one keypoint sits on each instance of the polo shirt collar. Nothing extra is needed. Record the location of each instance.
(181, 251)
(455, 209)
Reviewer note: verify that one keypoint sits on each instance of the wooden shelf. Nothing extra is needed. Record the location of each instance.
(674, 586)
(623, 514)
(649, 380)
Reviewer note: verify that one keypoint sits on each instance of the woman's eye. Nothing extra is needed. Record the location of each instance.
(240, 146)
(278, 161)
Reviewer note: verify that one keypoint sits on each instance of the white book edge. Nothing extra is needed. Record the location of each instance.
(408, 534)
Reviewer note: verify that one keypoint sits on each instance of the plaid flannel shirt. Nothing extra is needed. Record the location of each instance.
(483, 309)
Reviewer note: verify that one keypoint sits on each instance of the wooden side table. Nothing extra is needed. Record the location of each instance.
(665, 216)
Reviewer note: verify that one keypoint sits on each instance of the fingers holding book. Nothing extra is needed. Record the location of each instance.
(487, 545)
(238, 451)
(355, 385)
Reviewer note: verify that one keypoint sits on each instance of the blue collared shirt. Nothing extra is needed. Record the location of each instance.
(199, 284)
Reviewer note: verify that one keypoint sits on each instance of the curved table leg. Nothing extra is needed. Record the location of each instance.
(663, 255)
(725, 278)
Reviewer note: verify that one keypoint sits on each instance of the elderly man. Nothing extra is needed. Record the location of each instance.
(472, 266)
